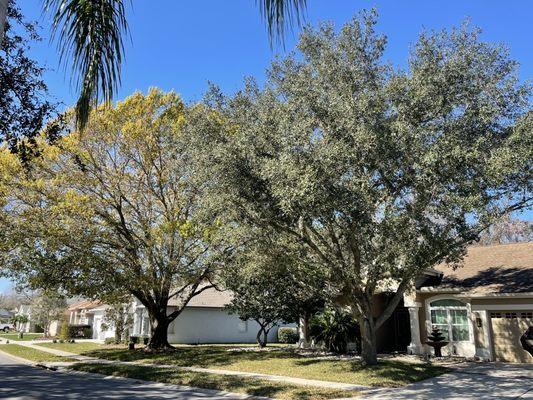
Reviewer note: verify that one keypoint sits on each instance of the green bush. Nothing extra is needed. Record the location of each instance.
(288, 335)
(64, 333)
(80, 331)
(87, 332)
(335, 328)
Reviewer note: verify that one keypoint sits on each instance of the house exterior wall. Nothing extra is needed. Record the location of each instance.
(480, 343)
(98, 324)
(214, 325)
(205, 325)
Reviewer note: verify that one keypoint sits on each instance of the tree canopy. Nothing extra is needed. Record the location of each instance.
(24, 102)
(115, 210)
(377, 172)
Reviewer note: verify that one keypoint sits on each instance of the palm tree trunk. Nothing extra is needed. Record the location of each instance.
(3, 19)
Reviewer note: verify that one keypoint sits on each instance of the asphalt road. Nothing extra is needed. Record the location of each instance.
(20, 381)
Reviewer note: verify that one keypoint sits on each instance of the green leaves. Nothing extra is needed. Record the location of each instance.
(375, 173)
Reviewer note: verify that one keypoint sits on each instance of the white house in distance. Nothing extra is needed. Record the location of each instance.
(204, 320)
(91, 313)
(25, 309)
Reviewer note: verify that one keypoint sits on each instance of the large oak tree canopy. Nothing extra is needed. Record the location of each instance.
(116, 209)
(377, 172)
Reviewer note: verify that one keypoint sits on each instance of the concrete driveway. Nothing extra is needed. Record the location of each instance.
(473, 381)
(21, 381)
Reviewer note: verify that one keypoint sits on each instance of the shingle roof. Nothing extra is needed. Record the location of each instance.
(505, 268)
(211, 298)
(85, 304)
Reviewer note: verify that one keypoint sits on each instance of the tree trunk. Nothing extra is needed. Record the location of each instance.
(262, 337)
(303, 330)
(118, 334)
(368, 341)
(3, 19)
(159, 333)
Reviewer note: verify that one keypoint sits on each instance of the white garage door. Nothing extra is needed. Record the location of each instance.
(507, 327)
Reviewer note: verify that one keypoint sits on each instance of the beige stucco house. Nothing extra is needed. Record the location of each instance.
(483, 308)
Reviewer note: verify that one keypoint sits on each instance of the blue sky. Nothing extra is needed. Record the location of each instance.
(181, 45)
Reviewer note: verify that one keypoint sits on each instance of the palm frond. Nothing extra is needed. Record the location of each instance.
(281, 14)
(90, 38)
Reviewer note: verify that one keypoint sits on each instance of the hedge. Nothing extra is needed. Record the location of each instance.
(288, 335)
(80, 331)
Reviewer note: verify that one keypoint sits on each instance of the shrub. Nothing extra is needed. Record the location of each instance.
(64, 332)
(80, 331)
(87, 332)
(335, 329)
(288, 335)
(113, 340)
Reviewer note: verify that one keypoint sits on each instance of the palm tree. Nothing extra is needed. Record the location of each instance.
(90, 38)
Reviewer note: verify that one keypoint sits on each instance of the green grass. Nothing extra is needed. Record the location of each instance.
(30, 353)
(15, 336)
(389, 373)
(254, 387)
(76, 348)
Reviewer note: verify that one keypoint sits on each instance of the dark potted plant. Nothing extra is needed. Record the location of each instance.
(436, 340)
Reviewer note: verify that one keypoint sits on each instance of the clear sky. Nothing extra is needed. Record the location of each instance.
(181, 45)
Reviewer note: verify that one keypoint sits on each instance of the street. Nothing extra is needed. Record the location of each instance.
(20, 381)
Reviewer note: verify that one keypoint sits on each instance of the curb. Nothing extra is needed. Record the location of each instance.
(160, 384)
(29, 362)
(67, 370)
(19, 359)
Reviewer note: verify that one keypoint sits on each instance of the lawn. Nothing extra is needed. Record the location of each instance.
(30, 353)
(76, 348)
(254, 387)
(389, 373)
(15, 336)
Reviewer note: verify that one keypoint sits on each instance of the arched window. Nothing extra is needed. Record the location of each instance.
(451, 317)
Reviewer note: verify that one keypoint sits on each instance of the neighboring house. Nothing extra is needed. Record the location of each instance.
(30, 326)
(204, 320)
(91, 313)
(482, 307)
(5, 315)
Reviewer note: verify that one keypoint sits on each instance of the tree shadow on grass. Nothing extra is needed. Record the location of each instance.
(250, 386)
(198, 356)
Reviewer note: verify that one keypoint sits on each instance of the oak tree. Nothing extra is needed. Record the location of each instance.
(377, 172)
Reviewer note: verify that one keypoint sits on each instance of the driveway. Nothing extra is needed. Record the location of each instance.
(474, 381)
(20, 381)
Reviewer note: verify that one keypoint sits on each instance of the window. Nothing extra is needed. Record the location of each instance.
(451, 317)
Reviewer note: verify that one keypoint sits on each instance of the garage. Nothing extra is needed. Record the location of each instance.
(507, 328)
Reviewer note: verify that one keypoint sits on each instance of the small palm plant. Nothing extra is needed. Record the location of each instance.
(335, 329)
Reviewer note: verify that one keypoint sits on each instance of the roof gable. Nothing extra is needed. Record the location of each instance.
(505, 268)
